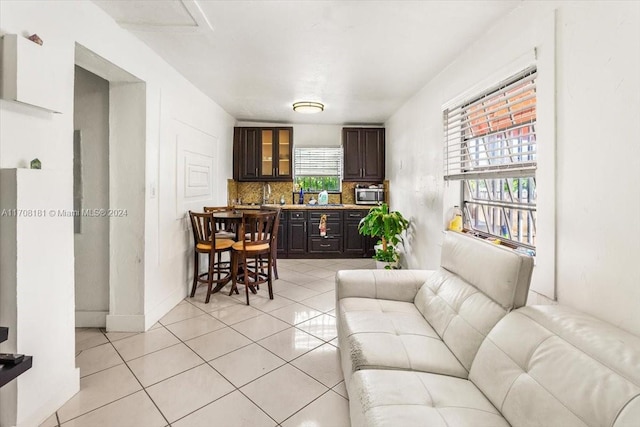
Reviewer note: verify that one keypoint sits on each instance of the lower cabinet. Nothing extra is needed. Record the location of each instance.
(303, 240)
(326, 245)
(331, 242)
(282, 235)
(297, 233)
(354, 242)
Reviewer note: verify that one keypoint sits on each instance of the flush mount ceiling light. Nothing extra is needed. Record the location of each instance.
(308, 107)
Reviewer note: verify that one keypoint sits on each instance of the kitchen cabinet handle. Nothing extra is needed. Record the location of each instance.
(354, 216)
(256, 171)
(325, 246)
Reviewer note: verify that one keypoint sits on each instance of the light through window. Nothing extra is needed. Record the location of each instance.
(491, 146)
(318, 168)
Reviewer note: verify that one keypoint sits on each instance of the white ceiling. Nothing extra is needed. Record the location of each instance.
(362, 59)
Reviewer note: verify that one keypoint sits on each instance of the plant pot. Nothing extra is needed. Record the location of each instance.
(382, 265)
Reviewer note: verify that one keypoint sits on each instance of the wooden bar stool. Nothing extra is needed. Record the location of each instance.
(206, 242)
(224, 229)
(252, 256)
(274, 238)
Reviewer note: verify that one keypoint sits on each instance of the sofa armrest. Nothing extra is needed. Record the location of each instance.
(397, 285)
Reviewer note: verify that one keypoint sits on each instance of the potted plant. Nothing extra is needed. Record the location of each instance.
(387, 226)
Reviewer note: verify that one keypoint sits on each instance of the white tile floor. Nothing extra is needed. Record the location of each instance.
(275, 363)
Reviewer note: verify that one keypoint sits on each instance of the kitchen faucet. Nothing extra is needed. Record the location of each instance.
(266, 192)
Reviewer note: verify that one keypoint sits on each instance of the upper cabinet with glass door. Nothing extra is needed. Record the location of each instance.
(283, 167)
(262, 154)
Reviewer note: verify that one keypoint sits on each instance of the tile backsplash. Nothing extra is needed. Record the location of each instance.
(251, 192)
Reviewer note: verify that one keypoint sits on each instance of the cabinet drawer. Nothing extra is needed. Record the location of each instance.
(333, 228)
(328, 245)
(297, 215)
(355, 215)
(316, 215)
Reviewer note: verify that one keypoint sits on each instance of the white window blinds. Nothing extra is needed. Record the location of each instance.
(493, 134)
(317, 161)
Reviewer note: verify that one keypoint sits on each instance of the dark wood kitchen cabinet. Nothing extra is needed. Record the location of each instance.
(262, 154)
(303, 240)
(297, 232)
(331, 242)
(364, 154)
(355, 244)
(281, 241)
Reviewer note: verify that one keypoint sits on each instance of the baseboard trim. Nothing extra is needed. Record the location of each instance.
(125, 323)
(91, 319)
(165, 306)
(65, 390)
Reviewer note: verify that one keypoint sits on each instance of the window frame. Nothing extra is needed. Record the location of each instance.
(337, 162)
(517, 96)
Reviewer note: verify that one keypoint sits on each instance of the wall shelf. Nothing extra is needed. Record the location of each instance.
(29, 73)
(9, 373)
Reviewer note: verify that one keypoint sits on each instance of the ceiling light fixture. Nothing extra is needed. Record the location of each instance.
(307, 107)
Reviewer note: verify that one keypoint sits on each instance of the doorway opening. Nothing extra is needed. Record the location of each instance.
(109, 194)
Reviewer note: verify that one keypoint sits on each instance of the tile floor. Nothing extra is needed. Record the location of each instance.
(274, 363)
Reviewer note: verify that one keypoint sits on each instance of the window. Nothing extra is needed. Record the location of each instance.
(317, 168)
(490, 146)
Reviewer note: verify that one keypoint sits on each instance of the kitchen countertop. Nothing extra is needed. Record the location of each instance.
(290, 206)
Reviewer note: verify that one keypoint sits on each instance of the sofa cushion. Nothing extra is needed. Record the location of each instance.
(405, 398)
(458, 312)
(477, 284)
(452, 317)
(497, 271)
(551, 365)
(391, 334)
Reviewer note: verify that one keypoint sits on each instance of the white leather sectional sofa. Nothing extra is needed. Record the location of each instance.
(451, 348)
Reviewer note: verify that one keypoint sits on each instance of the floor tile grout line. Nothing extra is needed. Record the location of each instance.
(203, 334)
(108, 403)
(93, 346)
(258, 406)
(229, 381)
(101, 406)
(221, 355)
(251, 341)
(264, 374)
(315, 379)
(143, 387)
(151, 352)
(288, 361)
(204, 313)
(305, 406)
(207, 404)
(208, 362)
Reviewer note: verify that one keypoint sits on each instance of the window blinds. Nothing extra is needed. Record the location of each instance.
(317, 161)
(493, 134)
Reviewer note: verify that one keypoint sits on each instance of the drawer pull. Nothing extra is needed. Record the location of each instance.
(325, 246)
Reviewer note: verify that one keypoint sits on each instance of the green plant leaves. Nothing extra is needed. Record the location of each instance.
(386, 225)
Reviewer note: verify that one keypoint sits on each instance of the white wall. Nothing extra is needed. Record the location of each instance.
(597, 62)
(36, 294)
(91, 243)
(27, 133)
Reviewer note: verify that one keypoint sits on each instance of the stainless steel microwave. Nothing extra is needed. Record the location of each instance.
(369, 196)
